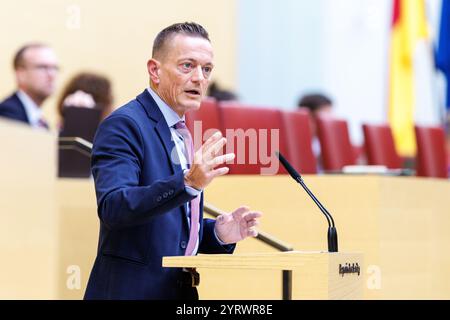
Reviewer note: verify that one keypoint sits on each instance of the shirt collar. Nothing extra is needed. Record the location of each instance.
(169, 114)
(32, 110)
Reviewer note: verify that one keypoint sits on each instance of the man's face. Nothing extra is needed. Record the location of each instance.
(37, 75)
(184, 72)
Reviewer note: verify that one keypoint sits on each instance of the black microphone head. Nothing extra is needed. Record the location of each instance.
(293, 173)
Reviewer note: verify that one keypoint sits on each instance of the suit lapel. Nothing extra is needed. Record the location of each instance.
(165, 136)
(163, 132)
(23, 114)
(162, 129)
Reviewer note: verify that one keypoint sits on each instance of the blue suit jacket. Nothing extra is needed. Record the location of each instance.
(140, 197)
(12, 108)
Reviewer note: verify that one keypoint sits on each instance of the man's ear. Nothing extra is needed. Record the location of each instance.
(20, 76)
(153, 70)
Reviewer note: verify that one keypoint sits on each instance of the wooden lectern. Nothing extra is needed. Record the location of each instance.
(316, 275)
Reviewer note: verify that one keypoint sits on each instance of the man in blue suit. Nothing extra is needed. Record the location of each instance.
(36, 69)
(149, 182)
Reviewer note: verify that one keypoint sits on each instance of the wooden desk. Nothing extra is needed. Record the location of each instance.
(28, 213)
(400, 224)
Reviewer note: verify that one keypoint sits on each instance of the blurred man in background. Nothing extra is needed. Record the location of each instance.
(36, 69)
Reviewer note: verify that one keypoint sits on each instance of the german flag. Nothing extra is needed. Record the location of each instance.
(409, 27)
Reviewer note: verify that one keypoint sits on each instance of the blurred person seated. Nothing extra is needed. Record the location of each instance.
(321, 105)
(216, 92)
(36, 69)
(318, 105)
(85, 90)
(86, 100)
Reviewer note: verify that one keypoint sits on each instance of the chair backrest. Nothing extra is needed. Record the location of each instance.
(253, 134)
(299, 140)
(431, 158)
(380, 147)
(202, 123)
(336, 148)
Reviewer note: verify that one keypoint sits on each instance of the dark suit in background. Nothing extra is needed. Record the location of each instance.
(12, 108)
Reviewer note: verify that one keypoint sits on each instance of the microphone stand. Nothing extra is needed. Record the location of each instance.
(332, 232)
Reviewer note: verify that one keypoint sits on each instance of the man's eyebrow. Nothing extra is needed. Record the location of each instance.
(194, 60)
(186, 59)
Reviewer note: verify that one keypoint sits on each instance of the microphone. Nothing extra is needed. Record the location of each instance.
(332, 232)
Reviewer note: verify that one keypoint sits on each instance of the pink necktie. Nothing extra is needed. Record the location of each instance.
(195, 203)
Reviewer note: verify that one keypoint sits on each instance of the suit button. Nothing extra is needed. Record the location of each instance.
(165, 195)
(159, 199)
(170, 192)
(183, 244)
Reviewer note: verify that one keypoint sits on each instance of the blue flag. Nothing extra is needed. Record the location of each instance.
(443, 52)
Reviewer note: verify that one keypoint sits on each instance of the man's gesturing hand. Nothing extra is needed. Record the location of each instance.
(238, 225)
(206, 159)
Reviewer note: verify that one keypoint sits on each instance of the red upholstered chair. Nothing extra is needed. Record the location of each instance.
(336, 148)
(380, 147)
(206, 120)
(298, 133)
(448, 158)
(431, 152)
(248, 132)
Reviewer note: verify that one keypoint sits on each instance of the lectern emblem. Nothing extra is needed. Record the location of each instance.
(349, 268)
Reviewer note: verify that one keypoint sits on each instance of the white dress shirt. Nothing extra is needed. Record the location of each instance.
(33, 111)
(172, 118)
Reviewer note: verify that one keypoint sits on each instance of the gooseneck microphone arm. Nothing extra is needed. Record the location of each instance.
(317, 202)
(332, 232)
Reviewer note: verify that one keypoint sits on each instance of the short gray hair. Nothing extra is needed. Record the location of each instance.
(187, 28)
